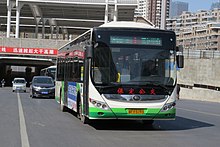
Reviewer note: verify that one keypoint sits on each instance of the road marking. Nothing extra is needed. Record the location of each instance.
(213, 114)
(23, 130)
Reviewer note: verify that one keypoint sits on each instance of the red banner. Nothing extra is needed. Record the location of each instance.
(35, 51)
(77, 53)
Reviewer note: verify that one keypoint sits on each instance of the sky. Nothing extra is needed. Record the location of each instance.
(195, 5)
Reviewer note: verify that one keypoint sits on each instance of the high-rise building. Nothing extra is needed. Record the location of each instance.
(177, 7)
(198, 31)
(141, 10)
(153, 10)
(215, 5)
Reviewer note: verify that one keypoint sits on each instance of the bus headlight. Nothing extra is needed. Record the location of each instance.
(99, 104)
(168, 106)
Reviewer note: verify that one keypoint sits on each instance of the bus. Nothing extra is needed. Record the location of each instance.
(120, 70)
(49, 71)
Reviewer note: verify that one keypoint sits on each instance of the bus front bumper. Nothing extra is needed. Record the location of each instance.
(123, 113)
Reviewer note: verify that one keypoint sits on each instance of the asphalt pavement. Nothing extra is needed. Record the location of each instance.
(26, 122)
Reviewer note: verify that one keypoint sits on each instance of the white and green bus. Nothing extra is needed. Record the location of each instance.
(49, 71)
(120, 70)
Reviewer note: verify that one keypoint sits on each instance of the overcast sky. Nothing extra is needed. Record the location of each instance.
(195, 5)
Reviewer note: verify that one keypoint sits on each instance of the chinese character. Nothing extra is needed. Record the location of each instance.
(20, 50)
(120, 91)
(75, 53)
(15, 50)
(131, 91)
(41, 51)
(35, 51)
(25, 50)
(3, 49)
(51, 52)
(142, 91)
(46, 52)
(30, 51)
(152, 92)
(80, 54)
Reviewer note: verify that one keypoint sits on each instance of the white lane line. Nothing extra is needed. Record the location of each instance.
(213, 114)
(23, 130)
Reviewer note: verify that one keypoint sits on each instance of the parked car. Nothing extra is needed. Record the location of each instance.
(42, 86)
(19, 84)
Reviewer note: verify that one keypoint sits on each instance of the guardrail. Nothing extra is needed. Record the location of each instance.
(201, 54)
(210, 87)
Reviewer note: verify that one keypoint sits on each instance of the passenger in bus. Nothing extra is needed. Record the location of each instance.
(148, 68)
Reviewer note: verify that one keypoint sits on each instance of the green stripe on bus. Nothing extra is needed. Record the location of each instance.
(97, 113)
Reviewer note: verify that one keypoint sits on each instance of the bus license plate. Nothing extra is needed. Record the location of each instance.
(135, 111)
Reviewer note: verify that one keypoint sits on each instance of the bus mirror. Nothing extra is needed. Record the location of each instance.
(89, 51)
(180, 61)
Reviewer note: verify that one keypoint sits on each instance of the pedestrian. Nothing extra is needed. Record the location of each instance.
(3, 82)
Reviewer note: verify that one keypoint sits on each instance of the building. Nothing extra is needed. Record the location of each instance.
(215, 5)
(59, 19)
(198, 31)
(177, 7)
(154, 11)
(141, 9)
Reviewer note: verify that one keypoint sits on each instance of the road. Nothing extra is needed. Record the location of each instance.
(26, 122)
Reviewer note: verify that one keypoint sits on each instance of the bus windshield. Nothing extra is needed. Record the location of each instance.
(129, 64)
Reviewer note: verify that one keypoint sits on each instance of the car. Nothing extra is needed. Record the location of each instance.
(19, 84)
(42, 86)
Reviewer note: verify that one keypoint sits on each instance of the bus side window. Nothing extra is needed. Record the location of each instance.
(76, 72)
(68, 69)
(60, 70)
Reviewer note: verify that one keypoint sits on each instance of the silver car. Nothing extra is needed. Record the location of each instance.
(19, 84)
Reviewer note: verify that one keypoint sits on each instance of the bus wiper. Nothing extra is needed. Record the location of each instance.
(107, 85)
(157, 85)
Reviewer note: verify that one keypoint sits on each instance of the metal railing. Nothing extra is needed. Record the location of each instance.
(201, 54)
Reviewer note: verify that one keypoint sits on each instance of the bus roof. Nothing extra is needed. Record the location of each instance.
(115, 24)
(127, 24)
(53, 66)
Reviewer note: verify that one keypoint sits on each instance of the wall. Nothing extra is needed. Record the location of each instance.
(200, 72)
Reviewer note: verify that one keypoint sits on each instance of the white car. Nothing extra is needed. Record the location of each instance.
(19, 84)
